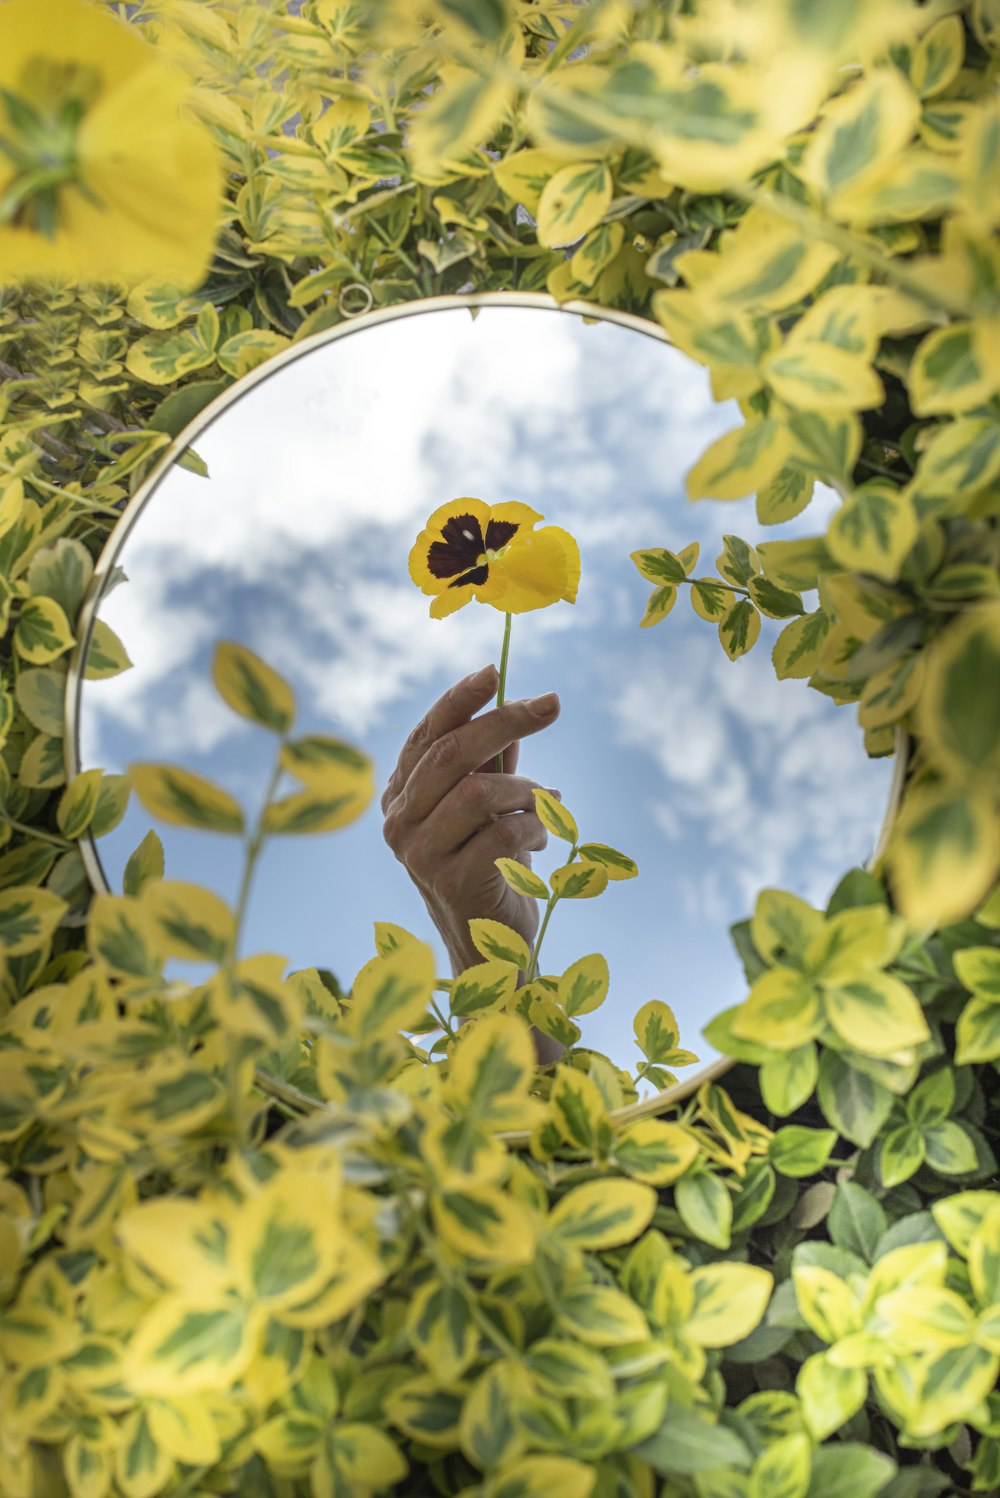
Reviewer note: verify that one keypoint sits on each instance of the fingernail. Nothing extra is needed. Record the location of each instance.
(480, 678)
(542, 706)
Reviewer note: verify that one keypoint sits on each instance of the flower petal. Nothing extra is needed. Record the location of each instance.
(450, 601)
(433, 571)
(539, 568)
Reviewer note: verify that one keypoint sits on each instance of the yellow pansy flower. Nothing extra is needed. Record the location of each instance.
(102, 175)
(469, 549)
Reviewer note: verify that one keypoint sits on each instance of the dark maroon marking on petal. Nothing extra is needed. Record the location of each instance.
(499, 532)
(471, 579)
(461, 547)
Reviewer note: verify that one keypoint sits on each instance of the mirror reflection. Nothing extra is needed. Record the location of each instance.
(716, 778)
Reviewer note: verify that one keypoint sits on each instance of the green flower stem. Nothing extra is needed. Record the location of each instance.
(38, 833)
(550, 907)
(503, 682)
(254, 844)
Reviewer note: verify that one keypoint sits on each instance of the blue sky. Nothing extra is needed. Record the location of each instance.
(715, 777)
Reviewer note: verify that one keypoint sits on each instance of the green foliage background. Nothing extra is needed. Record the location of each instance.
(249, 1239)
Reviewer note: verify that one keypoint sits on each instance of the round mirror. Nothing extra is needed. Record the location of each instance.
(287, 525)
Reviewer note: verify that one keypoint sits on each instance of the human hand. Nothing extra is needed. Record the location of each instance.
(448, 814)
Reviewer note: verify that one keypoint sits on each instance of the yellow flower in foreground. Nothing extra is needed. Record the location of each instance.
(102, 177)
(469, 549)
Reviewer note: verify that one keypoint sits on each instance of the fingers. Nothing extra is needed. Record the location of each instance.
(454, 708)
(470, 806)
(458, 752)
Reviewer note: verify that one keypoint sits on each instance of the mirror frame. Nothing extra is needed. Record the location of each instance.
(660, 1102)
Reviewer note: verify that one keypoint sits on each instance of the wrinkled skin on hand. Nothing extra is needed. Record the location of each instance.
(448, 814)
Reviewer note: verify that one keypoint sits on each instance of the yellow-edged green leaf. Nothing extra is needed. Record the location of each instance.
(739, 628)
(618, 865)
(106, 655)
(522, 879)
(799, 648)
(782, 1011)
(484, 987)
(485, 1225)
(188, 800)
(182, 1346)
(251, 687)
(498, 942)
(658, 606)
(955, 369)
(579, 881)
(958, 713)
(320, 809)
(489, 1070)
(28, 917)
(859, 130)
(284, 1242)
(729, 1302)
(821, 377)
(441, 1329)
(392, 992)
(740, 462)
(874, 530)
(653, 1151)
(583, 987)
(572, 202)
(78, 803)
(877, 1014)
(144, 864)
(554, 817)
(43, 632)
(192, 922)
(944, 853)
(602, 1214)
(601, 1316)
(40, 695)
(523, 175)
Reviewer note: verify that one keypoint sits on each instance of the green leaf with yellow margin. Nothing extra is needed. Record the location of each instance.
(740, 462)
(319, 810)
(596, 252)
(483, 987)
(122, 934)
(192, 922)
(327, 764)
(618, 865)
(28, 917)
(285, 1239)
(141, 1464)
(251, 687)
(602, 1214)
(799, 648)
(523, 175)
(554, 817)
(600, 1315)
(944, 852)
(874, 530)
(959, 458)
(786, 496)
(244, 351)
(890, 694)
(490, 1069)
(729, 1302)
(572, 202)
(579, 1111)
(489, 1431)
(739, 628)
(522, 879)
(658, 606)
(958, 713)
(390, 993)
(43, 632)
(858, 132)
(485, 1225)
(441, 1329)
(782, 1011)
(498, 942)
(782, 1469)
(462, 112)
(425, 1411)
(185, 799)
(106, 655)
(579, 881)
(821, 377)
(183, 1346)
(542, 1477)
(144, 864)
(656, 1152)
(181, 1241)
(781, 923)
(955, 369)
(876, 1014)
(78, 803)
(583, 987)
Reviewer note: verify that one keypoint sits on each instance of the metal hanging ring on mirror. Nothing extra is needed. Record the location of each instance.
(366, 293)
